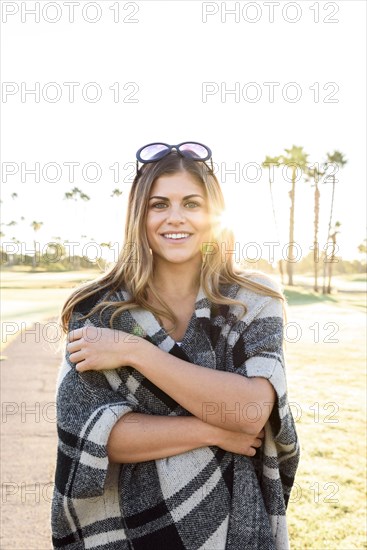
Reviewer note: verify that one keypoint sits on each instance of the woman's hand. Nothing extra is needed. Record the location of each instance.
(93, 348)
(238, 442)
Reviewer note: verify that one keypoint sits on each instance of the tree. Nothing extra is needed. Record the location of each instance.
(336, 158)
(76, 194)
(333, 260)
(36, 227)
(295, 159)
(268, 163)
(362, 248)
(313, 174)
(55, 251)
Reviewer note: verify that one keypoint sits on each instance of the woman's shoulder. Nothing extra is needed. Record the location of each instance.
(97, 295)
(253, 281)
(260, 293)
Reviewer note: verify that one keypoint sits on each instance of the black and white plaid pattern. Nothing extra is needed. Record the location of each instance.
(205, 499)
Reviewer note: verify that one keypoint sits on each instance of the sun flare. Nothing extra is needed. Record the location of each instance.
(232, 219)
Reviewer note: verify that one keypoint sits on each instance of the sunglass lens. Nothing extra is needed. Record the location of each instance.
(153, 152)
(194, 150)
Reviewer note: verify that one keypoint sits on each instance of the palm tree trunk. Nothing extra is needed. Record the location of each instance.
(281, 270)
(280, 262)
(315, 240)
(291, 230)
(34, 262)
(332, 259)
(331, 206)
(324, 290)
(273, 206)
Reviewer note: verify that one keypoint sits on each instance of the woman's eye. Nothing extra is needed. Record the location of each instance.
(164, 205)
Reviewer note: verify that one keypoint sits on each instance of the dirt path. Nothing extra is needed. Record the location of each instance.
(28, 438)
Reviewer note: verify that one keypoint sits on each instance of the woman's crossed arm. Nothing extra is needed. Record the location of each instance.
(216, 397)
(140, 437)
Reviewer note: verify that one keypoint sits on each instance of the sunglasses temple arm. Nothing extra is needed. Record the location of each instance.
(137, 168)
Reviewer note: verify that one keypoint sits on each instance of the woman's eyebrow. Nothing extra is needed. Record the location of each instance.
(184, 198)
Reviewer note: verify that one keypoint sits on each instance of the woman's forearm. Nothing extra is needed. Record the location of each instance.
(223, 399)
(140, 437)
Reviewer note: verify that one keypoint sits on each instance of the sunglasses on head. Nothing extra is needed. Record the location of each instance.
(156, 151)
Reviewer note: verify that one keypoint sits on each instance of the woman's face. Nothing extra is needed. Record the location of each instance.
(178, 219)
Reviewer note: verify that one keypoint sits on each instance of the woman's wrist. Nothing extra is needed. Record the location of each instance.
(138, 352)
(207, 432)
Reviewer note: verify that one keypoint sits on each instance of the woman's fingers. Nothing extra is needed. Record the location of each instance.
(75, 335)
(258, 439)
(73, 346)
(80, 336)
(89, 333)
(82, 366)
(77, 357)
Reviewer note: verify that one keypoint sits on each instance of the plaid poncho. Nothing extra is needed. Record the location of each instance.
(205, 499)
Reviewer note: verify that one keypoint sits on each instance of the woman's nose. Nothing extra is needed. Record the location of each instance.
(176, 214)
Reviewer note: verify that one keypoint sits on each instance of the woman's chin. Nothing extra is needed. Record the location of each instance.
(177, 258)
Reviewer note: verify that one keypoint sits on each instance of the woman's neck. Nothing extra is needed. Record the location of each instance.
(176, 280)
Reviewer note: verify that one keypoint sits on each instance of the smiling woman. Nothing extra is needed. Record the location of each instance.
(173, 419)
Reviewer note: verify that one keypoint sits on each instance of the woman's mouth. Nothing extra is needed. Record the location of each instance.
(176, 237)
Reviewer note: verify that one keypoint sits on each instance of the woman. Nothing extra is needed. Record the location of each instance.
(173, 420)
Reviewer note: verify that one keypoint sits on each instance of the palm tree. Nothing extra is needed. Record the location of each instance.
(107, 246)
(36, 227)
(332, 258)
(13, 256)
(268, 163)
(55, 251)
(362, 248)
(295, 158)
(314, 174)
(76, 194)
(334, 158)
(3, 257)
(10, 224)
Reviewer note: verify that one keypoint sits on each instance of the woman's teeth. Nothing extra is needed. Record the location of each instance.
(176, 235)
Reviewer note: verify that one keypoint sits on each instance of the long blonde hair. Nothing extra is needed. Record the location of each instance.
(133, 270)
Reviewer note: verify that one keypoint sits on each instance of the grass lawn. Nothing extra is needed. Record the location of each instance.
(326, 350)
(31, 297)
(326, 369)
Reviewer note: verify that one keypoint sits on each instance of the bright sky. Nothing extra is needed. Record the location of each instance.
(175, 72)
